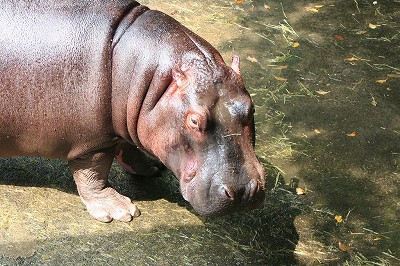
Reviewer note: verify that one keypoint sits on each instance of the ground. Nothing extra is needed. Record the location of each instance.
(325, 78)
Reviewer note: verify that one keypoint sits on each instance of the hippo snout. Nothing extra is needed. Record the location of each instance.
(220, 198)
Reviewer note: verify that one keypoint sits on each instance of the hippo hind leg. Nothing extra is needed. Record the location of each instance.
(137, 162)
(102, 201)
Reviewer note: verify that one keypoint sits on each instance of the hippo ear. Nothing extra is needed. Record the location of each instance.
(236, 64)
(181, 78)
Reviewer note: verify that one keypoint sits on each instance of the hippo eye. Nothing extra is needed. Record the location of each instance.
(195, 121)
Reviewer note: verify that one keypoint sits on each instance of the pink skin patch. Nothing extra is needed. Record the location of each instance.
(119, 158)
(188, 174)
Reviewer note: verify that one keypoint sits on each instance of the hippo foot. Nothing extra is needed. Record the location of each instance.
(107, 205)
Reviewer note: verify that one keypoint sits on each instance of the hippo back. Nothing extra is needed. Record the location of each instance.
(55, 74)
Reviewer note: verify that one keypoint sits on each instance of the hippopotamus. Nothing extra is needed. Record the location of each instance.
(88, 81)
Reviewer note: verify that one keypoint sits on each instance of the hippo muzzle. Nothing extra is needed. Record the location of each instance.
(223, 187)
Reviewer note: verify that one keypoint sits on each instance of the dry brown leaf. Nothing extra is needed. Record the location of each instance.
(317, 131)
(381, 81)
(322, 92)
(373, 26)
(373, 101)
(311, 9)
(296, 44)
(339, 38)
(393, 76)
(344, 247)
(252, 59)
(267, 7)
(319, 6)
(281, 67)
(280, 78)
(338, 218)
(300, 191)
(351, 59)
(352, 134)
(239, 2)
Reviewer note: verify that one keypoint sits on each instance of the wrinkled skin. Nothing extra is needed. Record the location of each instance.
(94, 80)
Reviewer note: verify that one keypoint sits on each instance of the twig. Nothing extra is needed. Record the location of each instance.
(243, 27)
(231, 135)
(370, 231)
(390, 255)
(283, 11)
(357, 6)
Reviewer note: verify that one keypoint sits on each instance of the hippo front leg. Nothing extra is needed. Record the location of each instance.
(102, 201)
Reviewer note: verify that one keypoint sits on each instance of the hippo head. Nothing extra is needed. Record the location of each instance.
(202, 128)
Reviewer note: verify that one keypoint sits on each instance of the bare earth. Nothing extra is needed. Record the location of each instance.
(325, 78)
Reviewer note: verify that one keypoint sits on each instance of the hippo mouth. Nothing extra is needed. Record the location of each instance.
(215, 198)
(186, 188)
(187, 182)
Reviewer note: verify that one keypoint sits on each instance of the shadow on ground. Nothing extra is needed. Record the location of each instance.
(265, 236)
(326, 81)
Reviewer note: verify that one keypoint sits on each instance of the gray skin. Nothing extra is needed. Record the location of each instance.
(87, 80)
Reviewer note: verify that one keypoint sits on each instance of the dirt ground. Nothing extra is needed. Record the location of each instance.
(325, 78)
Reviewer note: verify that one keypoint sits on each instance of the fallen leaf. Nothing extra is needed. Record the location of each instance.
(319, 6)
(312, 9)
(351, 59)
(280, 78)
(252, 59)
(296, 44)
(339, 218)
(300, 191)
(381, 81)
(339, 38)
(239, 2)
(344, 247)
(393, 76)
(352, 134)
(377, 238)
(281, 67)
(373, 26)
(373, 101)
(317, 131)
(321, 92)
(267, 7)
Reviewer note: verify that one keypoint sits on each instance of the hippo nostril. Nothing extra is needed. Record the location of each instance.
(229, 193)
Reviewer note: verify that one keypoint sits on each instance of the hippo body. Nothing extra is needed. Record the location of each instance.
(90, 80)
